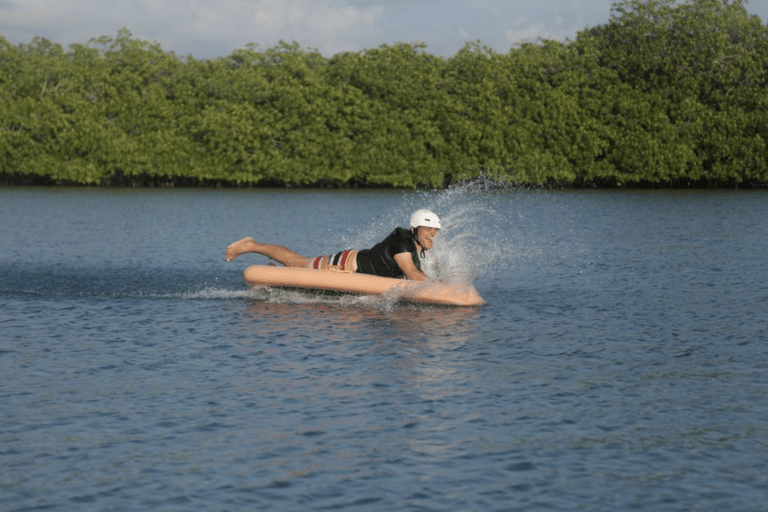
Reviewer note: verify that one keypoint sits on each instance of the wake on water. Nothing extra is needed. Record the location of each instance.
(276, 295)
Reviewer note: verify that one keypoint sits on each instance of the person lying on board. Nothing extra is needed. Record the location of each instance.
(396, 256)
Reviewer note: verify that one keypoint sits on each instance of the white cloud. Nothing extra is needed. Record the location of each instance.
(523, 32)
(324, 24)
(202, 27)
(214, 28)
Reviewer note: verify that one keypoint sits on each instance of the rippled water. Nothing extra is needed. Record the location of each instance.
(620, 362)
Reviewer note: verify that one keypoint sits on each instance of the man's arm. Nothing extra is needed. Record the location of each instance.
(406, 264)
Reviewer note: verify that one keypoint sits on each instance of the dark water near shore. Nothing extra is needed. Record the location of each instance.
(621, 361)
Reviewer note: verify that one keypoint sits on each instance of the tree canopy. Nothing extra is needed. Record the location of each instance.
(663, 94)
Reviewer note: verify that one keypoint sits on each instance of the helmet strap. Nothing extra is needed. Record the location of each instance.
(415, 232)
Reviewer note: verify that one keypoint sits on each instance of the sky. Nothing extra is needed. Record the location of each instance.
(208, 29)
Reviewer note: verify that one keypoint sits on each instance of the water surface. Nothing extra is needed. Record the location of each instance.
(620, 362)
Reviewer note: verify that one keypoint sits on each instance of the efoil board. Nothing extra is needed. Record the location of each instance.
(363, 284)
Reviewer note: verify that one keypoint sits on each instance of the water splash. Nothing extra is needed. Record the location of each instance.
(213, 293)
(475, 237)
(465, 248)
(278, 295)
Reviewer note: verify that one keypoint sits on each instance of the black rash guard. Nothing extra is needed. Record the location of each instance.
(380, 259)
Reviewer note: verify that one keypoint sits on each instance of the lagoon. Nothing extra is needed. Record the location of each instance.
(620, 362)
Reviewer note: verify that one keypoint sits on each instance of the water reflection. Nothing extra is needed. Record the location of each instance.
(391, 368)
(404, 348)
(343, 318)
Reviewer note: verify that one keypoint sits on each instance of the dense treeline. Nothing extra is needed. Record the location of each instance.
(664, 94)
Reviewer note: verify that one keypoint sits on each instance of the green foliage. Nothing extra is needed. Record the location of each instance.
(701, 67)
(666, 93)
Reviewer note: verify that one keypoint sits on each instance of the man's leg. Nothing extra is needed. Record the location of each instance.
(278, 253)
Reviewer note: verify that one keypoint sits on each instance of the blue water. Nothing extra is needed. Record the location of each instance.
(620, 363)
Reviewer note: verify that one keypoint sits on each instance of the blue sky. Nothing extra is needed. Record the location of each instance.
(214, 28)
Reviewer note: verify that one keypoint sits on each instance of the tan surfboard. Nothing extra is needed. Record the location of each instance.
(430, 292)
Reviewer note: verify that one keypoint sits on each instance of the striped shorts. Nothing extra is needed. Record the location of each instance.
(344, 261)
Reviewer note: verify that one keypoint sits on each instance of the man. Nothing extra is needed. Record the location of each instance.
(399, 255)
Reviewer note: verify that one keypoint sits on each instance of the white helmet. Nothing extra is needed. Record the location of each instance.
(425, 218)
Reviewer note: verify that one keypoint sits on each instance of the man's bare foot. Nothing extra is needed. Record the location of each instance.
(235, 249)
